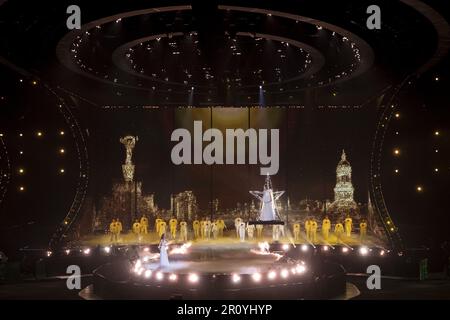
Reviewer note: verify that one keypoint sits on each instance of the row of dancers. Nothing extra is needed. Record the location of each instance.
(206, 229)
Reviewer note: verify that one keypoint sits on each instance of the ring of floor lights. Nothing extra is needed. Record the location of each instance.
(280, 274)
(304, 248)
(317, 58)
(365, 53)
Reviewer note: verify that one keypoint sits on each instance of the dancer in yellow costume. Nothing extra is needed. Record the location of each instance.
(157, 222)
(183, 231)
(326, 226)
(173, 227)
(308, 229)
(202, 229)
(136, 228)
(348, 226)
(144, 225)
(221, 225)
(118, 228)
(161, 228)
(113, 231)
(338, 231)
(296, 230)
(259, 230)
(363, 230)
(196, 228)
(314, 231)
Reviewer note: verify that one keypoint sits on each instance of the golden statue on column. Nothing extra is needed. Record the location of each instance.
(129, 143)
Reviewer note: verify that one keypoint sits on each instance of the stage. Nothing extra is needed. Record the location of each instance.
(228, 238)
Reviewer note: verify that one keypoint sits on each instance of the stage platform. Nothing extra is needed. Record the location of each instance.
(228, 238)
(219, 271)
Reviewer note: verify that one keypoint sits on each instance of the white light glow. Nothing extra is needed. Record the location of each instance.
(284, 273)
(272, 275)
(236, 278)
(344, 249)
(87, 251)
(286, 247)
(364, 251)
(256, 277)
(325, 248)
(181, 250)
(304, 247)
(300, 268)
(193, 278)
(159, 275)
(107, 249)
(148, 273)
(173, 277)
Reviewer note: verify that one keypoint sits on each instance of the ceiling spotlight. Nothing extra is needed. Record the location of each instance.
(67, 252)
(396, 170)
(436, 169)
(61, 170)
(344, 249)
(260, 87)
(436, 133)
(236, 278)
(256, 277)
(21, 170)
(49, 253)
(62, 150)
(304, 247)
(436, 78)
(61, 133)
(39, 134)
(419, 188)
(397, 115)
(193, 278)
(325, 248)
(396, 152)
(22, 188)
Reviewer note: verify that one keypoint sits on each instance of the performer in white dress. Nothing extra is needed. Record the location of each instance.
(163, 257)
(237, 224)
(242, 231)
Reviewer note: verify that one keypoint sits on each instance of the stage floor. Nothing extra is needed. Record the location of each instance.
(228, 238)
